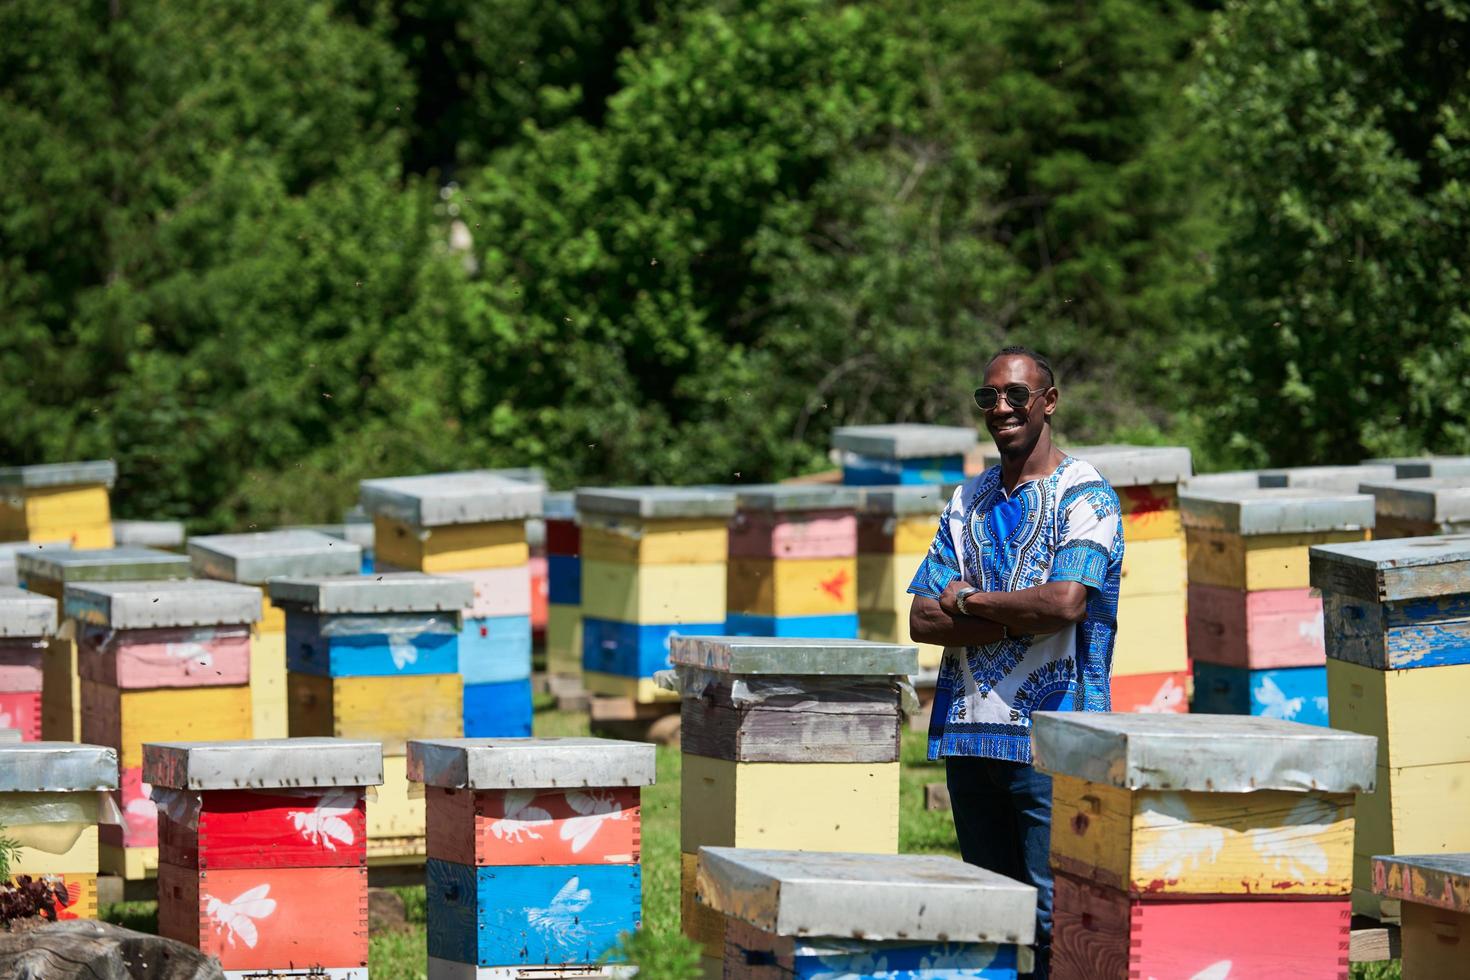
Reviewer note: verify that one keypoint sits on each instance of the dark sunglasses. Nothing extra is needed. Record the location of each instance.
(1019, 396)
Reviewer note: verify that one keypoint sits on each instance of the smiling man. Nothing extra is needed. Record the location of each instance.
(1021, 588)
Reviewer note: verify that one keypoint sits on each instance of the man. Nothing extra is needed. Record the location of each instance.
(1021, 587)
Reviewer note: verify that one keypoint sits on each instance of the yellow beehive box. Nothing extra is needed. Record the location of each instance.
(128, 863)
(564, 640)
(1419, 810)
(1151, 635)
(792, 586)
(268, 684)
(631, 593)
(51, 846)
(51, 798)
(1257, 563)
(674, 541)
(127, 719)
(58, 502)
(1417, 715)
(640, 689)
(883, 582)
(1434, 890)
(1153, 567)
(450, 547)
(390, 710)
(395, 820)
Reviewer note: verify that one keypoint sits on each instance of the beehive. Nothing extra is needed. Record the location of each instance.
(253, 559)
(793, 562)
(654, 563)
(66, 502)
(1341, 479)
(159, 660)
(800, 914)
(27, 622)
(1398, 669)
(534, 848)
(896, 525)
(9, 574)
(49, 572)
(376, 657)
(1418, 467)
(1183, 842)
(885, 455)
(263, 859)
(1255, 625)
(1434, 893)
(787, 743)
(472, 526)
(166, 535)
(50, 803)
(563, 586)
(1421, 507)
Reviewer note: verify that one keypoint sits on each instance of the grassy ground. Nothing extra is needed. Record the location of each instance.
(660, 949)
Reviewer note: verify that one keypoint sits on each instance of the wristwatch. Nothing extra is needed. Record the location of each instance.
(961, 596)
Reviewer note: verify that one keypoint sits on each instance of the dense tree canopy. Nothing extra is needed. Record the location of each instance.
(258, 251)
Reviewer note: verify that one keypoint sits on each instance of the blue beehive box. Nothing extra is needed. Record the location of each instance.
(633, 649)
(843, 626)
(498, 710)
(906, 454)
(1288, 693)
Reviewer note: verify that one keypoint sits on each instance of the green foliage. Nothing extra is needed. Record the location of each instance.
(9, 851)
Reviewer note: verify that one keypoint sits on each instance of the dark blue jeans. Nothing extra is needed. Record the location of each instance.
(1002, 817)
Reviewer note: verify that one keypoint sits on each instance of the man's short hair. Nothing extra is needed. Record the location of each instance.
(1039, 359)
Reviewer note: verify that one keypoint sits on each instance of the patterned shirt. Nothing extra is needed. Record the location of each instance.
(1066, 527)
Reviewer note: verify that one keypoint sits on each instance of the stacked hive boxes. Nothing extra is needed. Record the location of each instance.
(262, 859)
(1150, 657)
(49, 572)
(58, 502)
(564, 587)
(793, 562)
(1195, 846)
(52, 795)
(787, 743)
(1398, 668)
(896, 525)
(795, 914)
(653, 567)
(884, 455)
(252, 559)
(376, 658)
(534, 851)
(1434, 890)
(471, 526)
(1421, 507)
(1255, 624)
(27, 621)
(159, 660)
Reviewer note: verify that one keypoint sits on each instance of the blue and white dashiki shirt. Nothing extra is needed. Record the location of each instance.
(1066, 527)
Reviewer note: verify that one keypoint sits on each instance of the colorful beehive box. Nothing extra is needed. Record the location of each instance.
(158, 661)
(1197, 845)
(793, 562)
(1343, 479)
(1397, 618)
(884, 455)
(377, 657)
(254, 559)
(1418, 467)
(27, 622)
(1421, 507)
(563, 586)
(1434, 893)
(52, 795)
(58, 502)
(1255, 625)
(263, 858)
(654, 562)
(167, 535)
(534, 848)
(49, 572)
(787, 742)
(896, 525)
(798, 914)
(472, 526)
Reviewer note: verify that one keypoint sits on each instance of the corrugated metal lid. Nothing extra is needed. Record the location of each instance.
(26, 614)
(102, 471)
(56, 767)
(656, 502)
(794, 655)
(264, 763)
(382, 593)
(904, 440)
(163, 603)
(254, 558)
(1284, 510)
(530, 763)
(437, 499)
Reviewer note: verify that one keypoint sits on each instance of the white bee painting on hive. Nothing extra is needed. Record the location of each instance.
(1168, 695)
(141, 812)
(1215, 971)
(1277, 704)
(519, 819)
(560, 922)
(1295, 847)
(1179, 842)
(595, 809)
(403, 651)
(236, 919)
(196, 654)
(326, 823)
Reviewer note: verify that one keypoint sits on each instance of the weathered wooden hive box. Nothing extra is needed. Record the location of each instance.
(52, 796)
(1181, 842)
(793, 561)
(1434, 893)
(902, 453)
(896, 525)
(159, 660)
(58, 502)
(377, 657)
(563, 586)
(263, 857)
(471, 526)
(797, 914)
(1150, 655)
(27, 624)
(1398, 669)
(787, 743)
(49, 572)
(254, 559)
(1255, 625)
(534, 849)
(1421, 507)
(654, 562)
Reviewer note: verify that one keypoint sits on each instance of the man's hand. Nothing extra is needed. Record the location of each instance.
(1044, 608)
(940, 622)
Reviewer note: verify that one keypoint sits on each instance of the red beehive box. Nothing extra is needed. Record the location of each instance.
(533, 826)
(26, 620)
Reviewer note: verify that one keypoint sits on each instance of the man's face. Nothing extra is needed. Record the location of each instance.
(1016, 430)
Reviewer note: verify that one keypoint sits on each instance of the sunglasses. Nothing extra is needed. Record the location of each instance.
(1018, 396)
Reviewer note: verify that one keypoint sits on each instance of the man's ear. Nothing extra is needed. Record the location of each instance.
(1051, 401)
